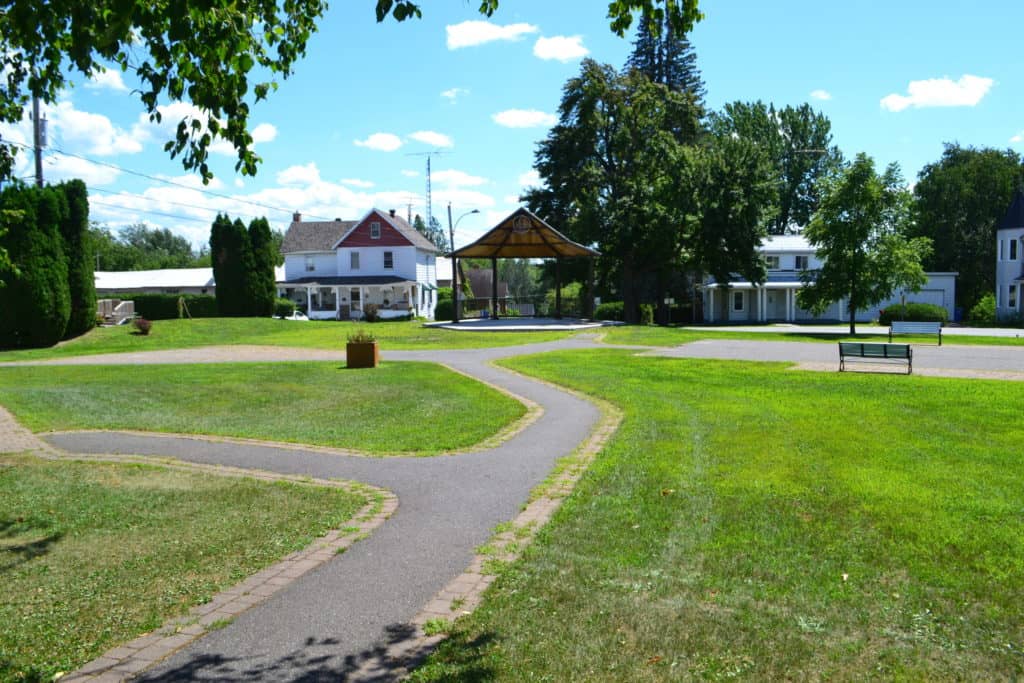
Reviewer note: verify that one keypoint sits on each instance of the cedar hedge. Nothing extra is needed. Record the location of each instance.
(913, 312)
(165, 306)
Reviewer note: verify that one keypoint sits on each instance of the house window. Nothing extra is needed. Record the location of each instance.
(389, 259)
(353, 260)
(1013, 250)
(1001, 257)
(375, 230)
(1011, 301)
(801, 263)
(310, 264)
(739, 301)
(771, 262)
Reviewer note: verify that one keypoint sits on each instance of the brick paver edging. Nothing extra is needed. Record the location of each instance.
(124, 661)
(464, 593)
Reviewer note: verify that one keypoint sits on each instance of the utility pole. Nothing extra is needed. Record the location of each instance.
(38, 139)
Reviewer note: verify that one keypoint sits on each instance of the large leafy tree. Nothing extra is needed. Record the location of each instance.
(608, 170)
(220, 55)
(668, 58)
(799, 142)
(960, 199)
(433, 232)
(140, 247)
(860, 234)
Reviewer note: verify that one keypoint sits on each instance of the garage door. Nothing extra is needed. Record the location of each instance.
(927, 296)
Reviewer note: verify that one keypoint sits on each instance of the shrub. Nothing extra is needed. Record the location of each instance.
(283, 308)
(983, 312)
(913, 312)
(646, 314)
(445, 310)
(572, 300)
(165, 306)
(444, 293)
(609, 310)
(142, 325)
(371, 313)
(361, 336)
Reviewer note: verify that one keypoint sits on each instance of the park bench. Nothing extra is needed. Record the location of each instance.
(875, 353)
(900, 327)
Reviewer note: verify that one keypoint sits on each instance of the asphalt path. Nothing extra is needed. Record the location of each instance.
(326, 624)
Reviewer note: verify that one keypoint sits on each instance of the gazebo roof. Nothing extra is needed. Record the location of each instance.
(524, 235)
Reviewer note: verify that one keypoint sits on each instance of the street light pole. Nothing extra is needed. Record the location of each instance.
(455, 270)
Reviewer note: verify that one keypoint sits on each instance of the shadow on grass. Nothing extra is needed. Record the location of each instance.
(318, 659)
(15, 549)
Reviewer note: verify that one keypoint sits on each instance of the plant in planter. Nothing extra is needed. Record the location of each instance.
(361, 350)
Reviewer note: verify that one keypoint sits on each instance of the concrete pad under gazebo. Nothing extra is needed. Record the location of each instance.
(523, 234)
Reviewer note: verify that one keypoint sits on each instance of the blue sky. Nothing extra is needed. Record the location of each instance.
(897, 80)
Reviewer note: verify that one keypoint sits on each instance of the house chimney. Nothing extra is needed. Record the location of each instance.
(296, 217)
(392, 212)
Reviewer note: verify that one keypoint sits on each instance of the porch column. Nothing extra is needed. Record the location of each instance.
(790, 313)
(494, 287)
(362, 300)
(309, 300)
(337, 301)
(711, 305)
(455, 287)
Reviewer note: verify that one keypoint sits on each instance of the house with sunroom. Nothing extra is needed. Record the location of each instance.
(1009, 257)
(774, 300)
(334, 269)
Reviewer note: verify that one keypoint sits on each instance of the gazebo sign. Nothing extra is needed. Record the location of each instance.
(521, 225)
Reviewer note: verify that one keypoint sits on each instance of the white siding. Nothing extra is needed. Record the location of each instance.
(324, 264)
(1008, 271)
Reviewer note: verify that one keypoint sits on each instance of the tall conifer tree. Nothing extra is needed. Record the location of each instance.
(667, 58)
(261, 285)
(78, 250)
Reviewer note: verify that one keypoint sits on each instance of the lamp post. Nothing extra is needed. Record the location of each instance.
(455, 270)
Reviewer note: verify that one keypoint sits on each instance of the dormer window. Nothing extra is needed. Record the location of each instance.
(375, 230)
(801, 263)
(771, 262)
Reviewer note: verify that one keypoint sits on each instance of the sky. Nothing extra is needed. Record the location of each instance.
(349, 130)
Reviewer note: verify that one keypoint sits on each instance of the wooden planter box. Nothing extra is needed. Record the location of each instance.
(362, 354)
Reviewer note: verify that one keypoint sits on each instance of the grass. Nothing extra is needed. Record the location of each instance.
(418, 408)
(93, 555)
(651, 335)
(179, 334)
(751, 521)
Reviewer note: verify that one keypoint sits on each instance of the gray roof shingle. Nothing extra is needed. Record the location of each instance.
(314, 235)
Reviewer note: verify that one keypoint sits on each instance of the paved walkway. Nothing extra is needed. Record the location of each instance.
(332, 620)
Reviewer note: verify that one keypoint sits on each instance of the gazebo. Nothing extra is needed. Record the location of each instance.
(523, 235)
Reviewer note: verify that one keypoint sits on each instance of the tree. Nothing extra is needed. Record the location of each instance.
(799, 143)
(261, 284)
(140, 247)
(231, 252)
(74, 230)
(960, 199)
(433, 232)
(608, 169)
(35, 300)
(860, 234)
(202, 52)
(666, 57)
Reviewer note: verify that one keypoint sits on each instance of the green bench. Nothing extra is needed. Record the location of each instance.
(877, 352)
(900, 327)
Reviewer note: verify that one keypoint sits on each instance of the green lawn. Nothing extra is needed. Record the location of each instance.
(418, 408)
(757, 522)
(650, 335)
(93, 555)
(176, 334)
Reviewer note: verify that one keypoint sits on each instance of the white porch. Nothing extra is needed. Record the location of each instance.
(746, 302)
(348, 302)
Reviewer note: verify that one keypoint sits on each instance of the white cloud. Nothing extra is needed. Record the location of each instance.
(821, 95)
(108, 79)
(511, 199)
(356, 182)
(940, 92)
(299, 175)
(530, 179)
(429, 137)
(1018, 138)
(239, 183)
(264, 132)
(410, 174)
(81, 131)
(470, 33)
(524, 118)
(383, 142)
(454, 178)
(453, 94)
(562, 48)
(59, 167)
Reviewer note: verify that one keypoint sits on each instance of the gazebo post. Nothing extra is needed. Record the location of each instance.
(455, 287)
(588, 306)
(558, 287)
(494, 287)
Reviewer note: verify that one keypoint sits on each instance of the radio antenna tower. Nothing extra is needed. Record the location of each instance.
(428, 155)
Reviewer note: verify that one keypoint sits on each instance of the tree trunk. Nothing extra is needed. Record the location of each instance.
(853, 319)
(629, 303)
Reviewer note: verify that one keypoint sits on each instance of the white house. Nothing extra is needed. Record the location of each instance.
(774, 300)
(1009, 257)
(334, 269)
(165, 281)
